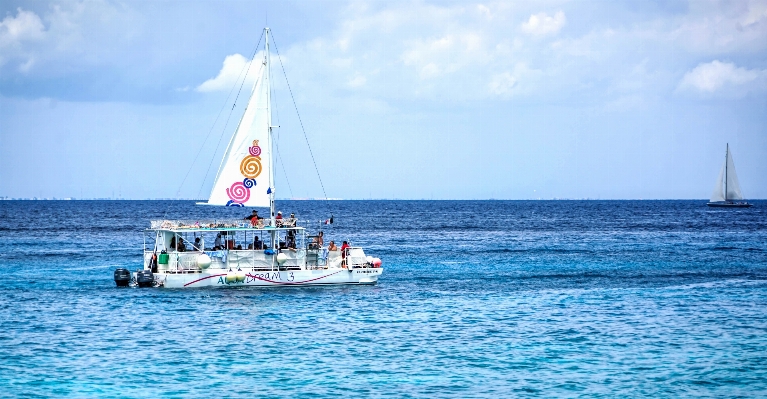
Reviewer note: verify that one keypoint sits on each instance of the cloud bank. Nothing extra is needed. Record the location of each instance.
(717, 76)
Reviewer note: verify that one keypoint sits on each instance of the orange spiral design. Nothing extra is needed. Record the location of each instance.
(250, 167)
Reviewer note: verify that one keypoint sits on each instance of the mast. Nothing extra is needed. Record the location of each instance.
(269, 122)
(726, 158)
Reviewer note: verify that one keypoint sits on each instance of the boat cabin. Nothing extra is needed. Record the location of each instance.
(193, 246)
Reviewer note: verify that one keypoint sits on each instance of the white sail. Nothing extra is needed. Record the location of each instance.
(718, 194)
(733, 186)
(245, 176)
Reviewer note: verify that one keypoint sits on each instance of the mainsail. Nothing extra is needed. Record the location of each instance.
(732, 186)
(727, 186)
(245, 176)
(718, 194)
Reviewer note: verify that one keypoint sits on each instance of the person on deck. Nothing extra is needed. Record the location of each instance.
(291, 221)
(252, 216)
(326, 252)
(217, 244)
(279, 219)
(255, 219)
(344, 247)
(291, 239)
(318, 240)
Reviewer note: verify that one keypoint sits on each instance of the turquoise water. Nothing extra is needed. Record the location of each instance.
(478, 299)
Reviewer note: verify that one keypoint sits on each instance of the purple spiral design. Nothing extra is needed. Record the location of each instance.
(238, 193)
(255, 150)
(249, 183)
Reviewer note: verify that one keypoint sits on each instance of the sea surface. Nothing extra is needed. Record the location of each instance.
(479, 299)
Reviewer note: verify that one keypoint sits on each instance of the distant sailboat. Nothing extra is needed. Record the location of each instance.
(727, 192)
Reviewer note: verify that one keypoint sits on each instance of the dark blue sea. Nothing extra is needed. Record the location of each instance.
(479, 299)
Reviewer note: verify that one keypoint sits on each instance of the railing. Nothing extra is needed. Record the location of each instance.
(186, 262)
(222, 223)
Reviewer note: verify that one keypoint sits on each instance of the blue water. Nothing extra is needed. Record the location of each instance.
(482, 299)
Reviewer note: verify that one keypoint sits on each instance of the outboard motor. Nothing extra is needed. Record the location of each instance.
(122, 277)
(144, 278)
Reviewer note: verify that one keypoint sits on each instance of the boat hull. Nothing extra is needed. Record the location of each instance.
(292, 278)
(729, 204)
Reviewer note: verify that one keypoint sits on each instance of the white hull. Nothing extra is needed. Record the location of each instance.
(218, 278)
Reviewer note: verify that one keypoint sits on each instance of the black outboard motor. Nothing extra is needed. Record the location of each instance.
(122, 277)
(144, 278)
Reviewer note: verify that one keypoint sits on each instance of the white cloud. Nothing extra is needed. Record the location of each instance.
(68, 37)
(231, 72)
(502, 83)
(542, 24)
(715, 27)
(25, 27)
(717, 76)
(357, 81)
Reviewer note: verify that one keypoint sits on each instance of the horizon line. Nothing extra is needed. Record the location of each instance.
(366, 199)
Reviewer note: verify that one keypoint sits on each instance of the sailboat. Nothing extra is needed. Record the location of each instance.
(727, 192)
(267, 252)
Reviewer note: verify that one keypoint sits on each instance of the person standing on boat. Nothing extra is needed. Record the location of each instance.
(318, 240)
(254, 218)
(279, 219)
(326, 252)
(344, 247)
(290, 239)
(217, 243)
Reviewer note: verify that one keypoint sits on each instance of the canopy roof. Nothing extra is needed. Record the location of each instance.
(178, 226)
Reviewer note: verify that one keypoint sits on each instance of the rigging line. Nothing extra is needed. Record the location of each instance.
(284, 172)
(279, 133)
(228, 96)
(205, 141)
(250, 64)
(301, 122)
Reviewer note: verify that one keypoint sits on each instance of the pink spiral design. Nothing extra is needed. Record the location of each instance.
(238, 192)
(255, 150)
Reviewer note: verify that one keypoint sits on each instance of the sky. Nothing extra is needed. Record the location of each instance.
(398, 99)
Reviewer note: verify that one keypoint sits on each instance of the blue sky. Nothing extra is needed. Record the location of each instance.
(443, 100)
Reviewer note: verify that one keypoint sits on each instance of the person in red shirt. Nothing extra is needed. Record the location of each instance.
(254, 218)
(278, 219)
(344, 247)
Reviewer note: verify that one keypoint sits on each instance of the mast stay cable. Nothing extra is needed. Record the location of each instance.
(202, 146)
(301, 122)
(279, 131)
(246, 69)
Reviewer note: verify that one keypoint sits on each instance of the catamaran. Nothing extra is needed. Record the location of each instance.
(258, 252)
(727, 192)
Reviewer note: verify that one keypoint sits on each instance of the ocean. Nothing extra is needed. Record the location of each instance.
(479, 299)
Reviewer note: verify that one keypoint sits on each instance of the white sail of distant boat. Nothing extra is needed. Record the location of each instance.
(245, 176)
(727, 188)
